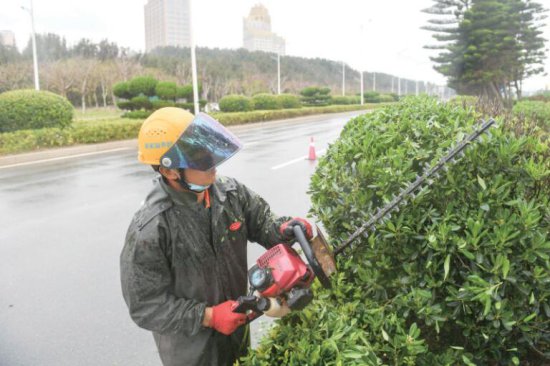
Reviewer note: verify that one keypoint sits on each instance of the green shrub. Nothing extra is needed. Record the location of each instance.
(289, 101)
(538, 112)
(137, 114)
(386, 98)
(315, 96)
(141, 102)
(80, 133)
(121, 90)
(166, 90)
(142, 85)
(157, 104)
(343, 100)
(372, 97)
(236, 103)
(185, 92)
(461, 275)
(126, 105)
(266, 102)
(31, 109)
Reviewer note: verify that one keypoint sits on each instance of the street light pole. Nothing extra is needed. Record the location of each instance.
(34, 56)
(343, 79)
(374, 81)
(193, 61)
(279, 72)
(362, 94)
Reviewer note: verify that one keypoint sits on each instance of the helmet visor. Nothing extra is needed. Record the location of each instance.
(203, 145)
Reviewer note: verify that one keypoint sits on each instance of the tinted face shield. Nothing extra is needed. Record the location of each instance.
(203, 145)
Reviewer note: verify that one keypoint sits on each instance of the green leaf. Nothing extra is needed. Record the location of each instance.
(505, 267)
(446, 266)
(481, 182)
(385, 335)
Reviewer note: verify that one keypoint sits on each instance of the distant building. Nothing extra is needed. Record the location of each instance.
(257, 35)
(166, 24)
(7, 38)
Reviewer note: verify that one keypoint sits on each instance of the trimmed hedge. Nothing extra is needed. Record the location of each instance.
(80, 133)
(289, 101)
(538, 112)
(459, 276)
(124, 129)
(265, 102)
(31, 109)
(260, 116)
(236, 103)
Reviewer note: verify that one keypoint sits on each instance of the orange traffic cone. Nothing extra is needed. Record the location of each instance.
(312, 155)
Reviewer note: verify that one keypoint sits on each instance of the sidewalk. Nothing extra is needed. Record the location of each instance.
(88, 149)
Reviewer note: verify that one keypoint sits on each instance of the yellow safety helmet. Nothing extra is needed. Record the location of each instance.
(160, 131)
(174, 138)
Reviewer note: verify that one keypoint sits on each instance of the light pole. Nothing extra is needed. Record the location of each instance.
(279, 72)
(343, 79)
(193, 61)
(373, 81)
(362, 94)
(34, 57)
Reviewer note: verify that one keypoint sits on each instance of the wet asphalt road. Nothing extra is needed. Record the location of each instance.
(62, 227)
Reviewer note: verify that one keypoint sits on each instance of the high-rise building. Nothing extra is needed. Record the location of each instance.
(257, 34)
(7, 38)
(167, 24)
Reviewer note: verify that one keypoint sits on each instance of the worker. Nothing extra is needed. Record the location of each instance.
(184, 260)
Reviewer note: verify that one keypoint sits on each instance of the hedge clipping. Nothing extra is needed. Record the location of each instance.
(460, 276)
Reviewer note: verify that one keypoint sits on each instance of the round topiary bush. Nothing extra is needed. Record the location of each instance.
(266, 102)
(289, 101)
(236, 103)
(31, 109)
(142, 85)
(459, 276)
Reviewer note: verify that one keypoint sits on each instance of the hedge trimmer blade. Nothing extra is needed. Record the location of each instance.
(384, 213)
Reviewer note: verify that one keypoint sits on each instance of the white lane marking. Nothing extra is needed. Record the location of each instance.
(65, 157)
(320, 152)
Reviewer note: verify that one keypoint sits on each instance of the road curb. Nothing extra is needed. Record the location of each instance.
(77, 150)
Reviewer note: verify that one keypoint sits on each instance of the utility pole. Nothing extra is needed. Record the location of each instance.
(362, 93)
(398, 86)
(373, 81)
(34, 55)
(416, 87)
(343, 79)
(279, 72)
(193, 61)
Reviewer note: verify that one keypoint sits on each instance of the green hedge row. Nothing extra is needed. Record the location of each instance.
(235, 118)
(123, 129)
(28, 140)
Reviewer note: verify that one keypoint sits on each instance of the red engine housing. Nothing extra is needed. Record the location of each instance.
(287, 269)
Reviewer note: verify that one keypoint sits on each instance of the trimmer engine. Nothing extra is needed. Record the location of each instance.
(280, 280)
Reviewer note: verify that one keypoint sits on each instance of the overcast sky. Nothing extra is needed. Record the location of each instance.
(381, 36)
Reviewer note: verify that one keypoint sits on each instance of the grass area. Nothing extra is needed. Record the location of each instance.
(95, 114)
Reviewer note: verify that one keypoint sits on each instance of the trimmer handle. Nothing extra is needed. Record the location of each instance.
(245, 304)
(308, 252)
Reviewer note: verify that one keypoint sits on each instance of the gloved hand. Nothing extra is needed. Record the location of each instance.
(287, 232)
(224, 320)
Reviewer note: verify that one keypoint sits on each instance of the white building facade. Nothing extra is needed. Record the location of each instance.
(257, 34)
(167, 24)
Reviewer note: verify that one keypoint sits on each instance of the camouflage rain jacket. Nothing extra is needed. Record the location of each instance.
(180, 257)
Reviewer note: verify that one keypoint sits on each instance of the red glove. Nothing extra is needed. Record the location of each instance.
(224, 320)
(287, 232)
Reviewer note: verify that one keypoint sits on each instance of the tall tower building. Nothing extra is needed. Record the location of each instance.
(257, 34)
(166, 24)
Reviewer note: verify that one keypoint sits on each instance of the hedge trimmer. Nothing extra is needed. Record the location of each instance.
(280, 281)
